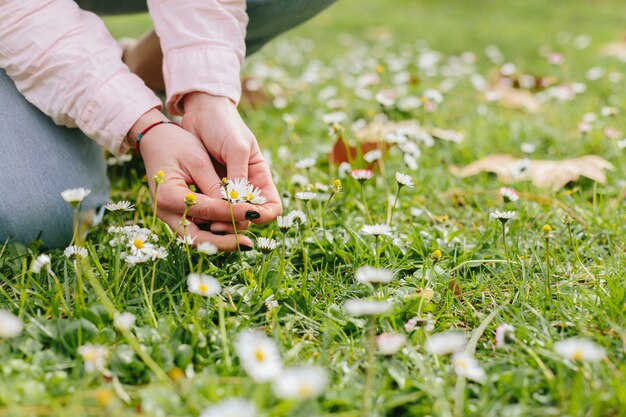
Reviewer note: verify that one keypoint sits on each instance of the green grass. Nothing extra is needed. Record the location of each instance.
(311, 274)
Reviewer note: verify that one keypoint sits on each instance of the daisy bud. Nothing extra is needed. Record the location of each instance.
(336, 186)
(567, 219)
(190, 200)
(159, 178)
(545, 230)
(436, 255)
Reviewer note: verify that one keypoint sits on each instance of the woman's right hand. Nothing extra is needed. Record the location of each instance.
(184, 160)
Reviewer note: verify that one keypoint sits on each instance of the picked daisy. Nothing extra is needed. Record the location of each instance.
(370, 274)
(75, 196)
(120, 206)
(363, 307)
(404, 180)
(10, 325)
(240, 190)
(231, 407)
(578, 349)
(95, 357)
(446, 343)
(503, 217)
(390, 343)
(376, 230)
(259, 355)
(466, 366)
(204, 285)
(301, 383)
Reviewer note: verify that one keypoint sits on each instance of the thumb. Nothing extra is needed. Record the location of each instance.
(237, 163)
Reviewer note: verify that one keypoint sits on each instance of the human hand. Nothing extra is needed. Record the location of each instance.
(185, 161)
(216, 121)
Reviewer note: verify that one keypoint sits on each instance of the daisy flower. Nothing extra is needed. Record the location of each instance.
(404, 180)
(503, 217)
(231, 407)
(505, 334)
(466, 366)
(94, 357)
(185, 240)
(427, 323)
(43, 261)
(509, 195)
(284, 223)
(259, 355)
(305, 163)
(120, 206)
(297, 217)
(367, 274)
(75, 251)
(124, 321)
(578, 349)
(203, 285)
(301, 383)
(10, 325)
(240, 190)
(373, 156)
(265, 244)
(306, 195)
(207, 248)
(390, 343)
(446, 343)
(74, 196)
(362, 307)
(336, 117)
(362, 175)
(344, 169)
(376, 230)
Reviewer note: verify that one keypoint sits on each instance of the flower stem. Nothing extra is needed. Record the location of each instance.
(367, 212)
(223, 334)
(395, 201)
(369, 371)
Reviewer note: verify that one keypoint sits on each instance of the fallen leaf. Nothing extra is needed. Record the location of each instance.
(542, 173)
(514, 98)
(379, 128)
(342, 152)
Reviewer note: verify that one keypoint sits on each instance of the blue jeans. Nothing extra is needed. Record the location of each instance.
(39, 159)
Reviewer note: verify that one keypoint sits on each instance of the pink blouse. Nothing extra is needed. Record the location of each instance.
(65, 62)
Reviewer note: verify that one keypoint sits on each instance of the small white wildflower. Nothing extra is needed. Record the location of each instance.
(390, 343)
(43, 261)
(259, 355)
(362, 175)
(297, 217)
(207, 248)
(75, 251)
(404, 180)
(505, 334)
(446, 343)
(337, 117)
(376, 229)
(10, 325)
(301, 383)
(185, 240)
(203, 285)
(373, 156)
(271, 303)
(362, 307)
(231, 407)
(466, 366)
(343, 170)
(509, 195)
(578, 349)
(367, 274)
(305, 163)
(266, 245)
(94, 356)
(503, 217)
(240, 190)
(75, 195)
(306, 195)
(284, 223)
(299, 180)
(124, 321)
(120, 206)
(427, 323)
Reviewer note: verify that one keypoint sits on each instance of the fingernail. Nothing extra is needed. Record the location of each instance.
(252, 215)
(245, 248)
(219, 232)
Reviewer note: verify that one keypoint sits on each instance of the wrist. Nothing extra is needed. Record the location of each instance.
(150, 117)
(197, 100)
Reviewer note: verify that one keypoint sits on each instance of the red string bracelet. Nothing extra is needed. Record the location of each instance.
(146, 130)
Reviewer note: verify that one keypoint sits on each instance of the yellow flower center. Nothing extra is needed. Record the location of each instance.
(259, 355)
(249, 197)
(138, 243)
(90, 356)
(337, 183)
(546, 228)
(234, 194)
(203, 288)
(577, 355)
(462, 364)
(305, 390)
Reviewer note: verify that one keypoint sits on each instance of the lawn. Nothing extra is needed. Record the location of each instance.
(465, 312)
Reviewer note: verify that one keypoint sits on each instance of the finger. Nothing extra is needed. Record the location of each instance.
(221, 228)
(171, 198)
(237, 163)
(226, 243)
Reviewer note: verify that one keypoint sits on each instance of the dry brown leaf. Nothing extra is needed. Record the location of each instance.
(514, 98)
(543, 173)
(379, 128)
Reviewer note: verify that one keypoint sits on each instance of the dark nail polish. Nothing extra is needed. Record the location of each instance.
(245, 248)
(219, 232)
(252, 215)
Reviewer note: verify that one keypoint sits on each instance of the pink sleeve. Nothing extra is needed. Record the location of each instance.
(65, 62)
(203, 44)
